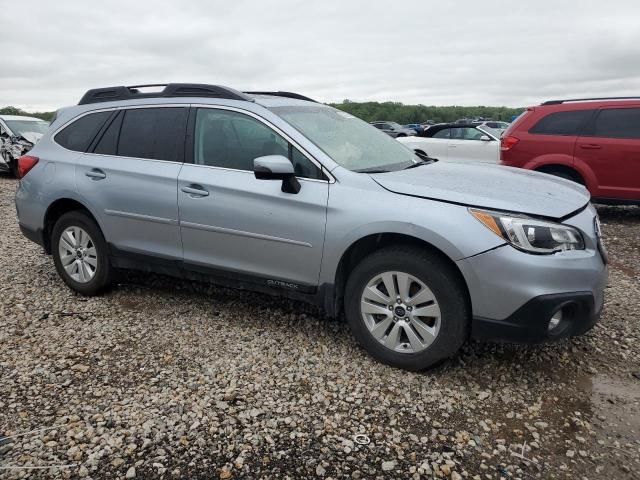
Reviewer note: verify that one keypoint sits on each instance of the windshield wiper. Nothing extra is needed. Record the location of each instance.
(372, 170)
(420, 163)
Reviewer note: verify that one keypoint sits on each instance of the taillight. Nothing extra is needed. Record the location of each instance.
(26, 163)
(507, 143)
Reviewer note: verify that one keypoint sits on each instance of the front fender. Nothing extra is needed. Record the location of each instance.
(448, 227)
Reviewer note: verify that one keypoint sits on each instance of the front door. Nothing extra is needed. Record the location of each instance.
(232, 222)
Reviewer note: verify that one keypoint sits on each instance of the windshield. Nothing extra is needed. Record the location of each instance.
(349, 141)
(20, 127)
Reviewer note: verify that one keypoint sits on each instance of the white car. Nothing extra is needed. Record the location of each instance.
(17, 135)
(454, 142)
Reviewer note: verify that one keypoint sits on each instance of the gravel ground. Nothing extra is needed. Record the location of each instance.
(168, 379)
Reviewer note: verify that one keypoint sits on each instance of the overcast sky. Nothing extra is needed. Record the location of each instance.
(417, 51)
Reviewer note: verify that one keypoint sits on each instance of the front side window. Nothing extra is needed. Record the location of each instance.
(562, 123)
(79, 135)
(618, 123)
(444, 133)
(233, 140)
(153, 133)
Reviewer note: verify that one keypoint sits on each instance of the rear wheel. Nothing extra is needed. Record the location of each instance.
(406, 307)
(80, 253)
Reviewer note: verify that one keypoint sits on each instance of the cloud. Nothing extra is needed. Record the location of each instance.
(442, 53)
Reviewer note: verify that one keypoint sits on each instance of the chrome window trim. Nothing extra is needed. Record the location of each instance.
(279, 131)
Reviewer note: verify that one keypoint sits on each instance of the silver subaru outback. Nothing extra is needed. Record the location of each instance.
(274, 192)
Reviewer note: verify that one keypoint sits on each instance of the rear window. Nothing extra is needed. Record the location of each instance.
(156, 133)
(618, 123)
(79, 135)
(562, 123)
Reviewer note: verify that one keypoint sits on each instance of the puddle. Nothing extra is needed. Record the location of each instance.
(615, 405)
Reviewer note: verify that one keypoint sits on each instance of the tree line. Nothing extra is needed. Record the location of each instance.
(371, 111)
(18, 111)
(404, 114)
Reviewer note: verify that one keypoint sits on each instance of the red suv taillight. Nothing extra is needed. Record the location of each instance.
(26, 163)
(508, 142)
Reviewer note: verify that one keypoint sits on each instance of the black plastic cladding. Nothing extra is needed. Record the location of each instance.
(110, 94)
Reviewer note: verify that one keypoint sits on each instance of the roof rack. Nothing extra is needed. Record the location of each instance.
(132, 92)
(558, 102)
(284, 94)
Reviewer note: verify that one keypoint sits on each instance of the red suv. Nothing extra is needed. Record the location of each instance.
(595, 142)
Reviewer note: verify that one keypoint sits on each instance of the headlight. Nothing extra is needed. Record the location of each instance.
(530, 235)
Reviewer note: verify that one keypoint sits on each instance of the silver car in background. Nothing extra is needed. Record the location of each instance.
(273, 192)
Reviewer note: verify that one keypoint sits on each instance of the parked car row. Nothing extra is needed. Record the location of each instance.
(277, 193)
(394, 129)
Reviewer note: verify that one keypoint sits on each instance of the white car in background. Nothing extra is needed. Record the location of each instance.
(17, 135)
(455, 142)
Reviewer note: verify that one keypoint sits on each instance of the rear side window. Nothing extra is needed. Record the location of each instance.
(156, 133)
(79, 135)
(108, 144)
(562, 123)
(618, 123)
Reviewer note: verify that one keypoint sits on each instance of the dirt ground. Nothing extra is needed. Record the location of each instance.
(161, 378)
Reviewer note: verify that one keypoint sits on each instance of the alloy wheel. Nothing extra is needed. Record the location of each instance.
(400, 311)
(78, 254)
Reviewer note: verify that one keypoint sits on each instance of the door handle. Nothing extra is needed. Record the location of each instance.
(96, 174)
(195, 190)
(452, 146)
(590, 146)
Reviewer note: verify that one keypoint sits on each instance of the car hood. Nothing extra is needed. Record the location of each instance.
(489, 186)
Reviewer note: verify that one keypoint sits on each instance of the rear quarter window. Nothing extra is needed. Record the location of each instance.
(562, 123)
(78, 135)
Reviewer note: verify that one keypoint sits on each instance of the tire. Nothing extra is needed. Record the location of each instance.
(449, 330)
(565, 175)
(96, 259)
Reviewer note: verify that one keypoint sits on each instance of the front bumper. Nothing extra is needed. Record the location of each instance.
(514, 294)
(530, 323)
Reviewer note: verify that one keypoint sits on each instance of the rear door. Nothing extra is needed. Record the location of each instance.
(129, 175)
(236, 225)
(610, 146)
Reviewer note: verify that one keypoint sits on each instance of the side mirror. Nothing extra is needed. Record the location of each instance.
(485, 138)
(277, 167)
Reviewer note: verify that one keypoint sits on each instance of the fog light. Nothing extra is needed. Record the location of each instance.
(555, 320)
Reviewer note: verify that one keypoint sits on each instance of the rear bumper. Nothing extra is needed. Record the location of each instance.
(530, 323)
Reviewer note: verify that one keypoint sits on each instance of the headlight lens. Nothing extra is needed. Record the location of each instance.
(531, 235)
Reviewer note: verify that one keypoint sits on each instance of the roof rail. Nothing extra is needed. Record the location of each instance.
(132, 92)
(284, 94)
(558, 102)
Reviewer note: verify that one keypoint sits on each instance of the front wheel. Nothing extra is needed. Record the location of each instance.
(80, 253)
(407, 307)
